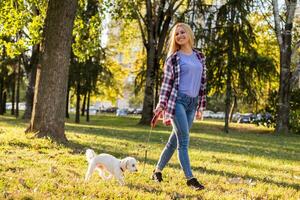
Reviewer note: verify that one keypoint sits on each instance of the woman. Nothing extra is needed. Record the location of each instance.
(182, 95)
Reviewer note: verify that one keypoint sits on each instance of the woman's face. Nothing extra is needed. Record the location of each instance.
(181, 36)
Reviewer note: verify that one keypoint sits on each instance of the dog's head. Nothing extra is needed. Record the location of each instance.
(129, 163)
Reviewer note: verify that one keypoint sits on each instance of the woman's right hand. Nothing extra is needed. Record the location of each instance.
(157, 113)
(158, 110)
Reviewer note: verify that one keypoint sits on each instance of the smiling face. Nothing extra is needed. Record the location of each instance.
(181, 36)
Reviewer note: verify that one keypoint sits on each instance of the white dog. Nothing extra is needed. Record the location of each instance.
(110, 164)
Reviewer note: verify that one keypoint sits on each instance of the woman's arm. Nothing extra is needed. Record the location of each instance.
(167, 84)
(202, 92)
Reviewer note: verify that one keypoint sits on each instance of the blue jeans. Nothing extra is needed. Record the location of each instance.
(184, 115)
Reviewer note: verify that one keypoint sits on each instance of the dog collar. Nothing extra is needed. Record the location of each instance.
(121, 168)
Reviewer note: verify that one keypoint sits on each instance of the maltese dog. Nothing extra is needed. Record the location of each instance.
(107, 163)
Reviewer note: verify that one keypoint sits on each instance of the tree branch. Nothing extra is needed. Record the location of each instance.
(143, 33)
(277, 22)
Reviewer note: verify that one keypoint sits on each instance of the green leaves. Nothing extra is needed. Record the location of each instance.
(87, 30)
(21, 25)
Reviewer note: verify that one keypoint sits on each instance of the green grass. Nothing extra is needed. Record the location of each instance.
(248, 163)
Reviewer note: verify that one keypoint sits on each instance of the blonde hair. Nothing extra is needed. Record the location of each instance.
(173, 46)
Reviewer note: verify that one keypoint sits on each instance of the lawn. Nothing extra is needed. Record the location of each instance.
(248, 163)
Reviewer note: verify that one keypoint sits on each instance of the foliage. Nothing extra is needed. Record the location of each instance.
(253, 67)
(249, 163)
(87, 30)
(111, 88)
(20, 26)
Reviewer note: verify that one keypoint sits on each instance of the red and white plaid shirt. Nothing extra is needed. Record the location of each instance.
(170, 85)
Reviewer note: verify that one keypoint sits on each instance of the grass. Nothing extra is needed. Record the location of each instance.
(248, 163)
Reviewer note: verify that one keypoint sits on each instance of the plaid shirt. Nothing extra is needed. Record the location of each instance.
(170, 85)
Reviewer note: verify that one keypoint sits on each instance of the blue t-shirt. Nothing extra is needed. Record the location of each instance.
(190, 74)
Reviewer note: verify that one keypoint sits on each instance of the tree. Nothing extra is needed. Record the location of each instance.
(233, 36)
(52, 75)
(154, 19)
(87, 52)
(283, 30)
(35, 27)
(236, 70)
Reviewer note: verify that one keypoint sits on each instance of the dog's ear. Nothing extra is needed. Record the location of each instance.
(124, 163)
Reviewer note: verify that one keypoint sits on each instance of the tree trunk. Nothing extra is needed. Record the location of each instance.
(149, 95)
(4, 102)
(156, 21)
(283, 110)
(233, 108)
(228, 98)
(83, 105)
(157, 83)
(77, 114)
(284, 38)
(19, 76)
(1, 95)
(13, 92)
(88, 107)
(31, 75)
(228, 71)
(48, 116)
(67, 102)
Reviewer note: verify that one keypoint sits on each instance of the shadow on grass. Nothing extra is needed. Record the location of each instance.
(171, 195)
(240, 143)
(237, 143)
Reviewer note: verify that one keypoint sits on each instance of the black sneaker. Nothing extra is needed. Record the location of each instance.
(157, 176)
(194, 184)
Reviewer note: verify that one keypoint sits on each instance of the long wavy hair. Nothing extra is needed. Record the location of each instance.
(173, 46)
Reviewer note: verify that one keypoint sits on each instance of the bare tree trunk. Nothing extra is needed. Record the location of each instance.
(1, 95)
(4, 102)
(157, 83)
(83, 105)
(31, 75)
(156, 21)
(149, 95)
(77, 114)
(48, 116)
(88, 106)
(284, 38)
(228, 72)
(233, 108)
(228, 97)
(13, 92)
(19, 76)
(67, 103)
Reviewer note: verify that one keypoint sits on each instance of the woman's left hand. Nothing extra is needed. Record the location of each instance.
(199, 115)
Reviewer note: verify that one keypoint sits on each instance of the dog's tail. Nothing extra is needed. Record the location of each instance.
(90, 154)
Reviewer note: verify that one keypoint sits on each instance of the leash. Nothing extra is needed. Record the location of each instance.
(146, 150)
(153, 123)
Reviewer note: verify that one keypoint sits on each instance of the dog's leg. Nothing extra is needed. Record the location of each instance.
(90, 171)
(121, 180)
(119, 176)
(102, 173)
